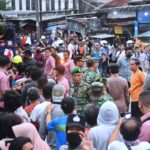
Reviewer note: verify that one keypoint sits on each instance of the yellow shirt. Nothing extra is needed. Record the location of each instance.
(137, 81)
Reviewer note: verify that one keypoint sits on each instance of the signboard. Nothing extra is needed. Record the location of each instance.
(75, 26)
(118, 30)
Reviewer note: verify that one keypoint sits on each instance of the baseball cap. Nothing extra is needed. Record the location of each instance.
(76, 70)
(75, 120)
(96, 86)
(58, 93)
(68, 105)
(17, 59)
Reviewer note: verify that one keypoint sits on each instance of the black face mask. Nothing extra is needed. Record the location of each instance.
(73, 139)
(129, 55)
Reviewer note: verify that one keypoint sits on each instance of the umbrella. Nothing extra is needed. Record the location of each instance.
(145, 34)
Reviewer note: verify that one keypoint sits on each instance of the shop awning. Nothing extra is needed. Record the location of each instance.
(144, 35)
(103, 36)
(59, 27)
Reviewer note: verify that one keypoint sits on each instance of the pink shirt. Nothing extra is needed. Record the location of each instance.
(49, 66)
(145, 132)
(69, 65)
(63, 81)
(4, 83)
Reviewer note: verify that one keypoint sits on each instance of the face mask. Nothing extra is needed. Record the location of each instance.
(74, 139)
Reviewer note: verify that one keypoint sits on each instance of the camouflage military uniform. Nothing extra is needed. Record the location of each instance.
(100, 100)
(90, 76)
(80, 94)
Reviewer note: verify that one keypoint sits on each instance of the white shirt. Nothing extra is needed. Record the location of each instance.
(122, 54)
(36, 115)
(116, 145)
(22, 113)
(71, 49)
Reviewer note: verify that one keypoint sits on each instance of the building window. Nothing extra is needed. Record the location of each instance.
(33, 4)
(27, 4)
(20, 4)
(52, 5)
(47, 5)
(59, 4)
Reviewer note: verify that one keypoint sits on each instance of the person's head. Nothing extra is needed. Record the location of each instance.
(130, 129)
(4, 62)
(122, 47)
(58, 93)
(17, 60)
(66, 55)
(77, 75)
(97, 89)
(35, 73)
(59, 71)
(33, 94)
(11, 100)
(9, 121)
(53, 51)
(128, 52)
(114, 68)
(68, 105)
(90, 63)
(47, 91)
(144, 102)
(134, 64)
(91, 113)
(137, 48)
(41, 82)
(47, 52)
(75, 125)
(108, 114)
(97, 46)
(21, 143)
(27, 54)
(71, 40)
(79, 61)
(20, 68)
(95, 63)
(38, 49)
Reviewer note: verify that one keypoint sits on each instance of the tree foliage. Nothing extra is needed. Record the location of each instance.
(3, 5)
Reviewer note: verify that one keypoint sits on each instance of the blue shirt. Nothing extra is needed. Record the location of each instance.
(59, 126)
(124, 68)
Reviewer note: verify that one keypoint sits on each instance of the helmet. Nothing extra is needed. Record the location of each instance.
(17, 59)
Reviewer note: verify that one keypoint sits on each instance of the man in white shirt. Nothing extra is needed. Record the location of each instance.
(71, 47)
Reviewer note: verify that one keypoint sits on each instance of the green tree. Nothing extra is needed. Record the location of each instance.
(3, 4)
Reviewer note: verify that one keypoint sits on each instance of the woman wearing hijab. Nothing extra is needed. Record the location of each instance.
(28, 130)
(107, 120)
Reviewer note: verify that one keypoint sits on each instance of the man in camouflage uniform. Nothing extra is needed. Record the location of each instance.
(91, 74)
(79, 90)
(98, 94)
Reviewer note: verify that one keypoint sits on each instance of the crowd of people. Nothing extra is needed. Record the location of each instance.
(75, 95)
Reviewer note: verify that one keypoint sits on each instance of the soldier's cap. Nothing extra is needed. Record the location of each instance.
(95, 59)
(75, 120)
(97, 86)
(80, 58)
(76, 70)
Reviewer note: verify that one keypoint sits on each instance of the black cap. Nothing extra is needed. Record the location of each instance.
(75, 120)
(68, 105)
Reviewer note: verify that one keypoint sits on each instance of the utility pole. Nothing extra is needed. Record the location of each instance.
(37, 20)
(41, 25)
